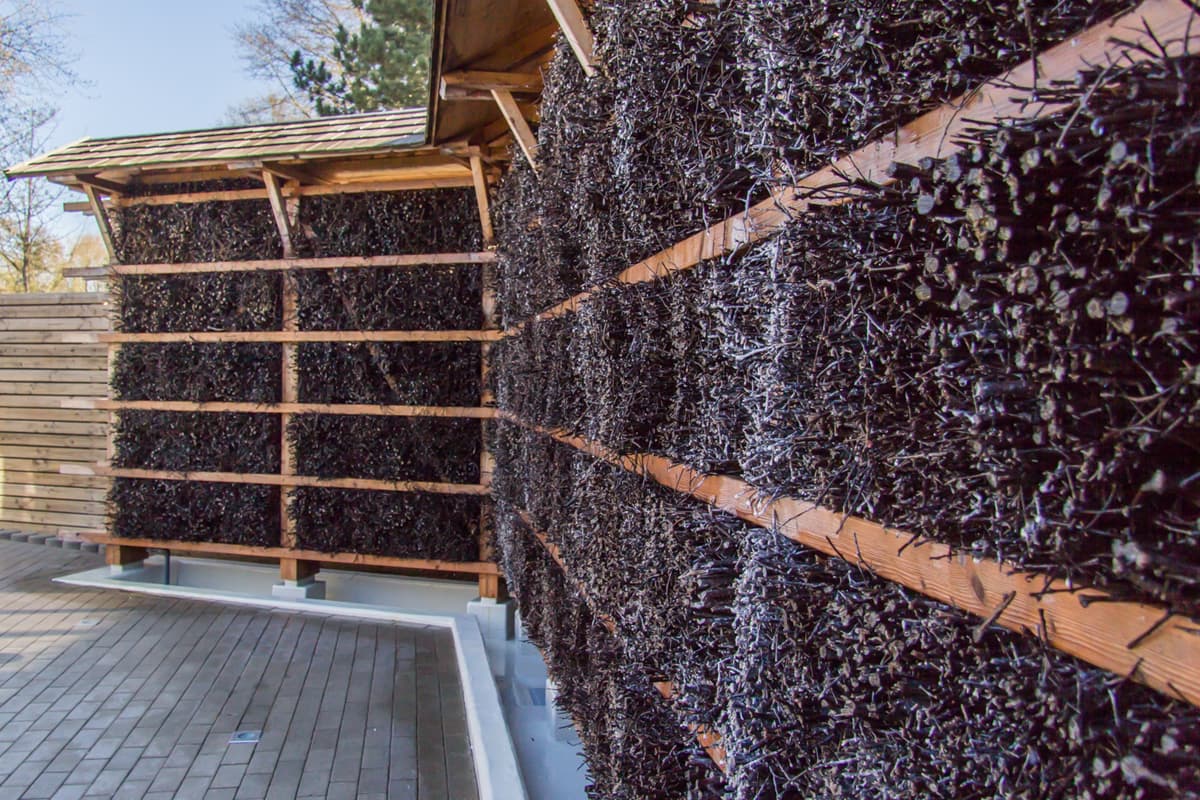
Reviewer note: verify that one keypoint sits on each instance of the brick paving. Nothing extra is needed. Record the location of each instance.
(108, 694)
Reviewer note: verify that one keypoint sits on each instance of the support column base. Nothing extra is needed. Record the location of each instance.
(307, 589)
(495, 618)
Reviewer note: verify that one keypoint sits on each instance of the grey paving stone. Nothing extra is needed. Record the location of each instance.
(346, 708)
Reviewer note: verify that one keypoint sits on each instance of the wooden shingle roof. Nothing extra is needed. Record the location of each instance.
(376, 133)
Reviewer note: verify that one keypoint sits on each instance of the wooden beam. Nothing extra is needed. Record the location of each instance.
(294, 172)
(270, 479)
(517, 124)
(1129, 38)
(479, 84)
(481, 200)
(343, 409)
(102, 221)
(289, 264)
(121, 555)
(576, 30)
(493, 589)
(279, 211)
(87, 273)
(286, 337)
(250, 551)
(1082, 622)
(261, 194)
(102, 184)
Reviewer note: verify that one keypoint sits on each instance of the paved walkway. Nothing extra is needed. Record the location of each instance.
(108, 694)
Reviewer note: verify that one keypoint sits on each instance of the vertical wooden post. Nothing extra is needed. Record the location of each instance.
(490, 586)
(286, 215)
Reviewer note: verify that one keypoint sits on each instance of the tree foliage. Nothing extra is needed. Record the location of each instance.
(33, 62)
(384, 64)
(280, 31)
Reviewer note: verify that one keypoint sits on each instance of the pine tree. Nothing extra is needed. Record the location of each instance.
(385, 64)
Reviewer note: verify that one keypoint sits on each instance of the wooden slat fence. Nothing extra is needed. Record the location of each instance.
(40, 367)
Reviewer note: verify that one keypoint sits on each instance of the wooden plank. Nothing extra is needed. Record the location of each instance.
(481, 200)
(55, 323)
(1131, 37)
(64, 375)
(55, 414)
(577, 33)
(102, 222)
(51, 352)
(55, 439)
(348, 409)
(52, 453)
(52, 362)
(87, 273)
(55, 311)
(288, 264)
(14, 477)
(282, 221)
(268, 479)
(518, 125)
(23, 466)
(19, 388)
(1098, 632)
(13, 518)
(66, 428)
(36, 504)
(448, 182)
(51, 298)
(478, 84)
(36, 491)
(248, 551)
(38, 402)
(302, 336)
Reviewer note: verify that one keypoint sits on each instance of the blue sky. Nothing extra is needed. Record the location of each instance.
(148, 66)
(151, 66)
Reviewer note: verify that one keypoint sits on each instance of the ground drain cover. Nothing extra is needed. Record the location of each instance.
(245, 737)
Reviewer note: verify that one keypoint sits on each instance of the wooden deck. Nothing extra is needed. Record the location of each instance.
(107, 694)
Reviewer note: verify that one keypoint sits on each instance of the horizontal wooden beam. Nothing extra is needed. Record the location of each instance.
(342, 409)
(1080, 621)
(250, 551)
(291, 191)
(285, 336)
(272, 479)
(87, 273)
(286, 264)
(478, 84)
(1131, 37)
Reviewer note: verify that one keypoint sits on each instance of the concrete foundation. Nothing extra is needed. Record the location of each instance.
(308, 589)
(496, 620)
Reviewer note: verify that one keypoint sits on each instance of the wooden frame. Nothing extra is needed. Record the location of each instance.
(272, 479)
(346, 409)
(261, 194)
(120, 545)
(288, 264)
(288, 337)
(1080, 621)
